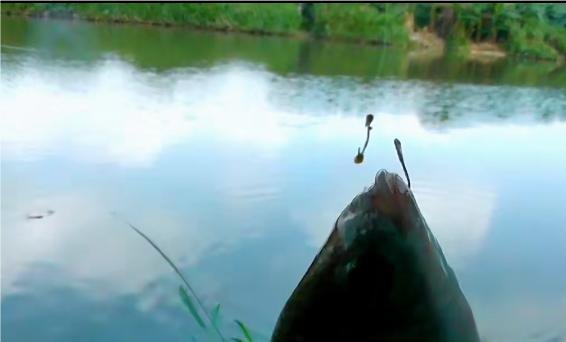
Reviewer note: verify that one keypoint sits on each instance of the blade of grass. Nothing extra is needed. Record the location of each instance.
(175, 268)
(245, 330)
(191, 306)
(216, 315)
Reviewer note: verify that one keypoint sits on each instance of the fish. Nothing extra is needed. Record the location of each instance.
(380, 276)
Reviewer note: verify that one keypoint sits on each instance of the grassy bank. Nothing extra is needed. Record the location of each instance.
(277, 18)
(534, 31)
(357, 22)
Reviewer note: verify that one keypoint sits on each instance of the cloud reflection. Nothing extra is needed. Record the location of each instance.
(112, 112)
(118, 115)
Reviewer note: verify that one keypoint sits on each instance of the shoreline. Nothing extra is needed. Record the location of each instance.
(420, 42)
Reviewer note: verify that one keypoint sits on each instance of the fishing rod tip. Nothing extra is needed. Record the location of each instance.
(397, 143)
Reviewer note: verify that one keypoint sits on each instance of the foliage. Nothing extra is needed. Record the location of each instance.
(556, 36)
(529, 44)
(457, 43)
(366, 22)
(530, 30)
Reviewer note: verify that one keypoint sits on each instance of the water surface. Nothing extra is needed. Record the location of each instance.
(235, 154)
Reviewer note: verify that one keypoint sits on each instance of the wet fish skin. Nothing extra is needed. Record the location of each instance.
(381, 276)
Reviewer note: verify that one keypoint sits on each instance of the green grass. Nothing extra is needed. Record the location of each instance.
(362, 22)
(191, 300)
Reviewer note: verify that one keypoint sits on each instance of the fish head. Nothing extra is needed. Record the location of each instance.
(383, 230)
(387, 204)
(381, 276)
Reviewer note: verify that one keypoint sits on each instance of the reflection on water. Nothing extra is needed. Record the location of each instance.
(237, 158)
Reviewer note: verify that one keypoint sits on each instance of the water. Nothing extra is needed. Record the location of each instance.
(235, 154)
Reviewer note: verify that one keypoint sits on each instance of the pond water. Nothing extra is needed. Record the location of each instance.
(235, 154)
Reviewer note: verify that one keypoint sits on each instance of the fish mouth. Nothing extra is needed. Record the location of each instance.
(388, 198)
(388, 183)
(389, 194)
